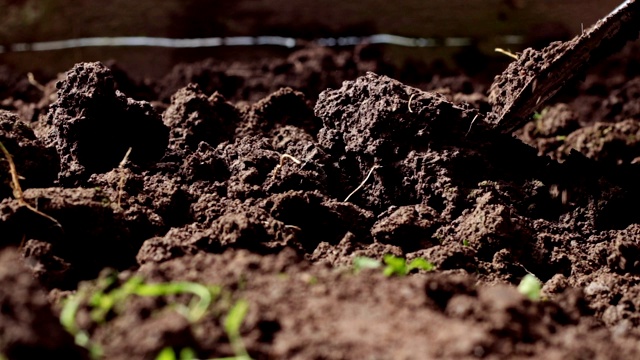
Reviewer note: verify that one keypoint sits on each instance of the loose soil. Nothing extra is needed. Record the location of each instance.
(239, 176)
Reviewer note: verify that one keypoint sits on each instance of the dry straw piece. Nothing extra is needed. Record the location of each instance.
(17, 189)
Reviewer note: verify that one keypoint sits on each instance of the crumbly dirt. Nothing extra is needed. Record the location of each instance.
(270, 187)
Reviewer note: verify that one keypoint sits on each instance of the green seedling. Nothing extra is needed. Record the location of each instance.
(398, 266)
(465, 242)
(102, 303)
(537, 116)
(169, 354)
(68, 321)
(362, 262)
(530, 286)
(232, 324)
(394, 265)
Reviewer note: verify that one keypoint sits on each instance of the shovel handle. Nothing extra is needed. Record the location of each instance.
(607, 36)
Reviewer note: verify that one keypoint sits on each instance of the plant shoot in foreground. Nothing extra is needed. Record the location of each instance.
(399, 266)
(531, 287)
(102, 303)
(394, 265)
(169, 354)
(232, 324)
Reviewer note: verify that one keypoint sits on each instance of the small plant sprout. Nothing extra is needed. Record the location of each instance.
(394, 265)
(232, 324)
(135, 286)
(17, 189)
(362, 183)
(169, 354)
(281, 164)
(362, 262)
(68, 321)
(530, 286)
(102, 303)
(398, 266)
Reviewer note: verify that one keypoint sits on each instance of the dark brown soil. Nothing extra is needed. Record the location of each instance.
(254, 179)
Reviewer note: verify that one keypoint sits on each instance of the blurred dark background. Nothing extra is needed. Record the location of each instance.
(485, 22)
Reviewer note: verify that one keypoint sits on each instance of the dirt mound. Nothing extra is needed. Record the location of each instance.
(89, 119)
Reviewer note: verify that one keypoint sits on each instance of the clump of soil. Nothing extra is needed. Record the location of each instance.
(88, 119)
(272, 200)
(28, 327)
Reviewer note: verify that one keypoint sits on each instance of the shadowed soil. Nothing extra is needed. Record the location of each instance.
(269, 183)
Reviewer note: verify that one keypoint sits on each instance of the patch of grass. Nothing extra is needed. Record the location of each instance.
(399, 266)
(103, 302)
(395, 266)
(531, 287)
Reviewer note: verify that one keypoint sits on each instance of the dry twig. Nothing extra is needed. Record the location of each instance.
(362, 183)
(123, 177)
(34, 82)
(506, 52)
(17, 189)
(282, 157)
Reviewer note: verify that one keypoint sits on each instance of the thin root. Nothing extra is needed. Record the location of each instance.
(282, 157)
(123, 177)
(362, 183)
(34, 82)
(471, 125)
(17, 189)
(410, 99)
(506, 52)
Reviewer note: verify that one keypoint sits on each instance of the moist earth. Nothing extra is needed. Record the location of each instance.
(265, 181)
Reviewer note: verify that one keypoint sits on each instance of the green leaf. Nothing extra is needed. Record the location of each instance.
(395, 266)
(422, 264)
(68, 314)
(530, 287)
(187, 354)
(197, 308)
(363, 262)
(235, 317)
(166, 354)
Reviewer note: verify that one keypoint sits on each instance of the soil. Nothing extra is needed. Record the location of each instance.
(267, 179)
